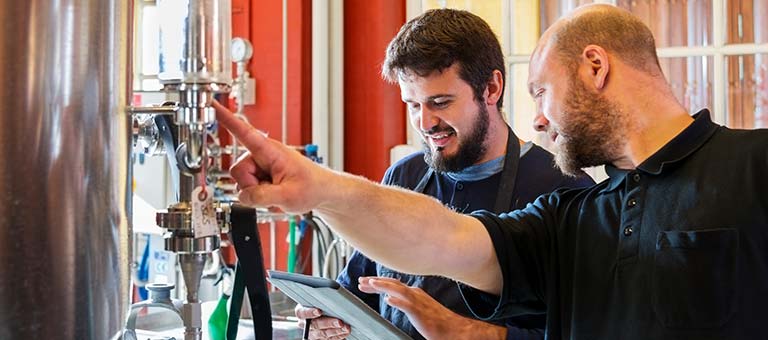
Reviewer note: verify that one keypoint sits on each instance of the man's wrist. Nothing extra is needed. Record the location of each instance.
(476, 329)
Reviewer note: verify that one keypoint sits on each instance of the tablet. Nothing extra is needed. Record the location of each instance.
(336, 301)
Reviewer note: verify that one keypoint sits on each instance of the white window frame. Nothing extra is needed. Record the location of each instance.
(138, 47)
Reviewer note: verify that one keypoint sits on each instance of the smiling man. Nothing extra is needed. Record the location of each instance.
(456, 132)
(450, 70)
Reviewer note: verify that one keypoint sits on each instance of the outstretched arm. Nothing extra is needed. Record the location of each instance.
(400, 229)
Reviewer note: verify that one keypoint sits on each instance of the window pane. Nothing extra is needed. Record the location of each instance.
(149, 40)
(152, 84)
(525, 26)
(691, 80)
(675, 22)
(747, 21)
(532, 17)
(522, 109)
(747, 92)
(551, 10)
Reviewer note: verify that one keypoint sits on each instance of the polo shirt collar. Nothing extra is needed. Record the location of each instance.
(680, 147)
(615, 177)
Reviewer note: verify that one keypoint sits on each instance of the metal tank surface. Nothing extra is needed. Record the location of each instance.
(65, 174)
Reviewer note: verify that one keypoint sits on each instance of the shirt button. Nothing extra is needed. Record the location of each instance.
(636, 177)
(632, 202)
(628, 231)
(459, 186)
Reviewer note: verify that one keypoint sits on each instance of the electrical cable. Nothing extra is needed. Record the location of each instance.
(321, 241)
(333, 248)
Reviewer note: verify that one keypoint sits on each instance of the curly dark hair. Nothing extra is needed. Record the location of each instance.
(437, 39)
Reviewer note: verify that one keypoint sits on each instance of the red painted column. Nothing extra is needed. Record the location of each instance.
(374, 115)
(261, 22)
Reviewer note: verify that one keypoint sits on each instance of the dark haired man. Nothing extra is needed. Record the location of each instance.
(450, 69)
(672, 246)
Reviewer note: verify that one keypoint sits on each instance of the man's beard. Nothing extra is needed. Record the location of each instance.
(592, 130)
(470, 150)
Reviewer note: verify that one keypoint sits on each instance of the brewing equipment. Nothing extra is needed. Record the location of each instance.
(195, 65)
(65, 177)
(65, 238)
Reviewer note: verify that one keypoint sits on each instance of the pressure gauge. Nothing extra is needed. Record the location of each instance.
(241, 50)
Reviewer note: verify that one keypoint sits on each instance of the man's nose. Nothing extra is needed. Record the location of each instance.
(540, 123)
(427, 119)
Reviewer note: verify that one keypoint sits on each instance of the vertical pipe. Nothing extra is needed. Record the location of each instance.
(374, 119)
(321, 77)
(719, 81)
(284, 105)
(65, 174)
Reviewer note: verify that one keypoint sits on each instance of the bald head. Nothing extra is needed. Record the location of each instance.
(615, 30)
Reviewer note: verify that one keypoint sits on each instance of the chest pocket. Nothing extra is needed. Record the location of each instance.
(694, 278)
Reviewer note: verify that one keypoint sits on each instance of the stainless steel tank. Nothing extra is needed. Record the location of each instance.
(64, 173)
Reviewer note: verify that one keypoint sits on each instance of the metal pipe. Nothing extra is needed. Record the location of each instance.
(192, 269)
(161, 110)
(65, 175)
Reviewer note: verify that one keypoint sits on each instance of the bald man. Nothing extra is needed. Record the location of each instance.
(674, 245)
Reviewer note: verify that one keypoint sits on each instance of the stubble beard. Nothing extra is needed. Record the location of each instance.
(470, 150)
(592, 131)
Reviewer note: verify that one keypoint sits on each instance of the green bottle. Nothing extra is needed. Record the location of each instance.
(217, 323)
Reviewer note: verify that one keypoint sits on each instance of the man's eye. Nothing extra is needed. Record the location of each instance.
(442, 104)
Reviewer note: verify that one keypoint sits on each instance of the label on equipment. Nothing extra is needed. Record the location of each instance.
(203, 213)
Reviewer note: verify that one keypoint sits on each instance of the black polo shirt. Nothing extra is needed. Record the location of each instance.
(675, 249)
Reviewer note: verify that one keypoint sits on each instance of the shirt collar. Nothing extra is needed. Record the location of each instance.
(615, 177)
(478, 171)
(484, 170)
(680, 147)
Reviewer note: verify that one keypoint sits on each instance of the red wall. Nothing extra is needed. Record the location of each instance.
(261, 23)
(374, 115)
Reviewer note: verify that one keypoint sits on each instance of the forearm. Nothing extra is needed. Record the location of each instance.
(395, 226)
(471, 329)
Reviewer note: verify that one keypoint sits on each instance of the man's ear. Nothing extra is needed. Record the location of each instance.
(597, 59)
(495, 88)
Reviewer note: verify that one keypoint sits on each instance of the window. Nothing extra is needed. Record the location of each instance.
(146, 47)
(713, 52)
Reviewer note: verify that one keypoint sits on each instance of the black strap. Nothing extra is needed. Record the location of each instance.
(250, 267)
(508, 175)
(236, 303)
(424, 181)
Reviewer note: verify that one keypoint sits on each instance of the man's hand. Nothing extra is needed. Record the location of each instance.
(271, 175)
(429, 317)
(321, 327)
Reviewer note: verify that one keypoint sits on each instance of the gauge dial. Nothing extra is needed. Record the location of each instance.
(241, 50)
